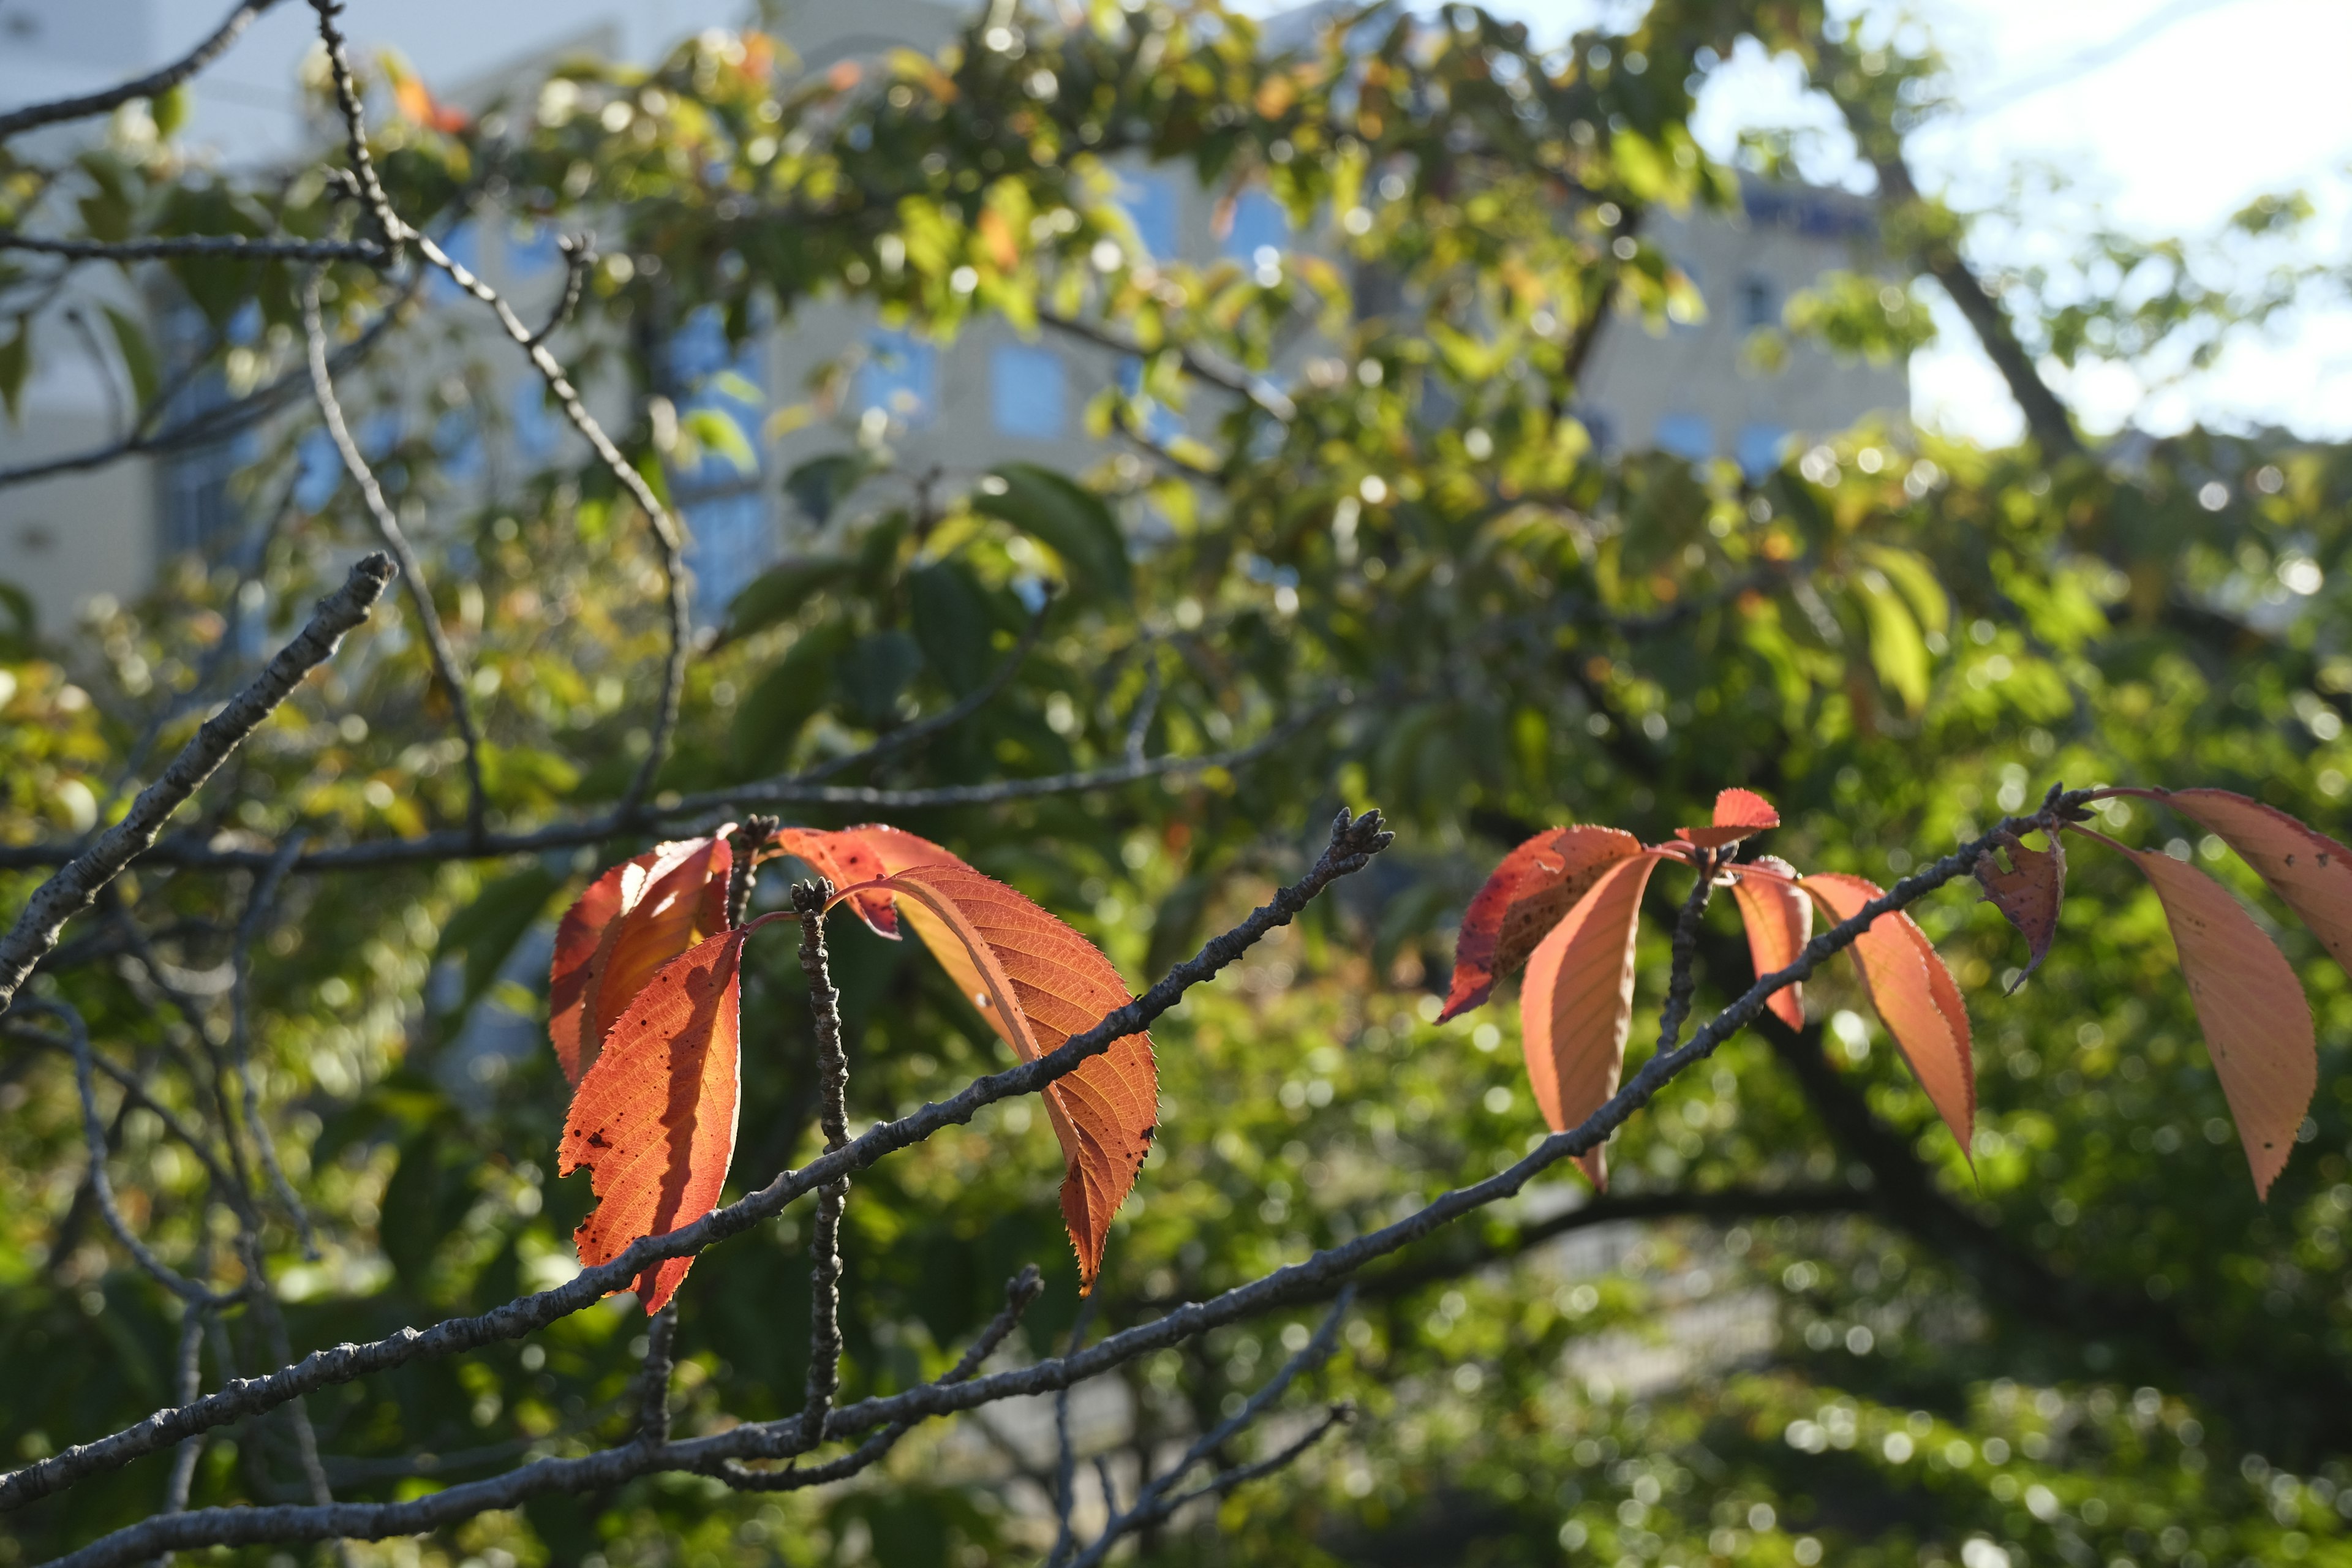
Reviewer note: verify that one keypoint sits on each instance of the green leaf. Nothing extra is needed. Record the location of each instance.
(715, 431)
(16, 364)
(819, 486)
(778, 594)
(138, 354)
(1897, 649)
(170, 110)
(1910, 571)
(769, 718)
(1067, 517)
(952, 625)
(874, 672)
(485, 930)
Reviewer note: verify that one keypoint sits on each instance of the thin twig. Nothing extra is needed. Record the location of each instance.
(1065, 1451)
(689, 812)
(653, 1414)
(230, 246)
(71, 891)
(102, 1188)
(1019, 1292)
(833, 1115)
(395, 539)
(155, 84)
(258, 904)
(579, 260)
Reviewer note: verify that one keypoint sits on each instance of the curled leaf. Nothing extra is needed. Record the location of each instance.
(2256, 1020)
(1038, 983)
(1915, 999)
(1577, 1002)
(1737, 814)
(1779, 922)
(2029, 891)
(654, 1119)
(1536, 884)
(630, 921)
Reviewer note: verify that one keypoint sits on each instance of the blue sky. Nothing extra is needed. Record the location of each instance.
(2167, 114)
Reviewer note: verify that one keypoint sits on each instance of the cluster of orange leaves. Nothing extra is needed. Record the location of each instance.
(1565, 907)
(646, 995)
(645, 988)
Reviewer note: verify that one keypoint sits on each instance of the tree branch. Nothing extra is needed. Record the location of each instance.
(395, 539)
(155, 84)
(1354, 842)
(71, 891)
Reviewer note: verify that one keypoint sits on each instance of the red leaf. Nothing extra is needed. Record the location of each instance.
(845, 859)
(654, 1119)
(1038, 983)
(2309, 870)
(632, 920)
(1915, 996)
(2029, 892)
(1737, 814)
(2256, 1019)
(1779, 922)
(1577, 1002)
(1536, 884)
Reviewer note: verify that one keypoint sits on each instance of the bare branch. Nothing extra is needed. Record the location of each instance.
(155, 84)
(653, 1419)
(1019, 1291)
(395, 539)
(1155, 1502)
(825, 1248)
(258, 904)
(1066, 1455)
(704, 808)
(232, 246)
(579, 260)
(71, 891)
(103, 1188)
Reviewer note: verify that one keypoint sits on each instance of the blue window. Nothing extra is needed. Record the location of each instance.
(459, 443)
(530, 249)
(1259, 224)
(1760, 448)
(1686, 435)
(534, 423)
(730, 541)
(901, 377)
(1028, 391)
(465, 248)
(318, 470)
(1150, 203)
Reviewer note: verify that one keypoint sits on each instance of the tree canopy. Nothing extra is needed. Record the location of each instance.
(1379, 562)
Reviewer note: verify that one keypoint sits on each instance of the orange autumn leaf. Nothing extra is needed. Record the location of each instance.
(2306, 868)
(1779, 922)
(631, 921)
(996, 239)
(845, 859)
(2256, 1020)
(1737, 814)
(654, 1119)
(1038, 983)
(1915, 996)
(1536, 884)
(2030, 891)
(1576, 1004)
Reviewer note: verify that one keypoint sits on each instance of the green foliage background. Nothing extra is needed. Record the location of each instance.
(2096, 1347)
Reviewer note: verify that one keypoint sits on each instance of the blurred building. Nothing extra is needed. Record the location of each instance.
(990, 396)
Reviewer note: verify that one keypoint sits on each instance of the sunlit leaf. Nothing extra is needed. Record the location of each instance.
(1536, 884)
(632, 920)
(1915, 999)
(1779, 922)
(1575, 1006)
